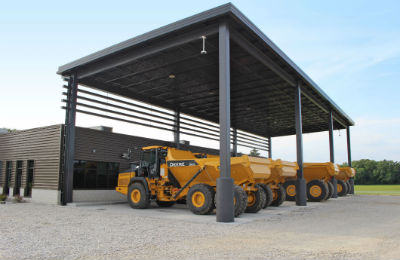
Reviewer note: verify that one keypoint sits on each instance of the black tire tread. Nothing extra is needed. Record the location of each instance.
(268, 193)
(321, 184)
(281, 196)
(144, 200)
(260, 200)
(285, 185)
(209, 199)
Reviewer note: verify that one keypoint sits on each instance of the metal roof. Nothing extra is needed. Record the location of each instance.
(262, 76)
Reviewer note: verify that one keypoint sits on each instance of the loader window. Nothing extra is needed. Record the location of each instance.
(149, 165)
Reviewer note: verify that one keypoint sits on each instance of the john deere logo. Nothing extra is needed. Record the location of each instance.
(181, 163)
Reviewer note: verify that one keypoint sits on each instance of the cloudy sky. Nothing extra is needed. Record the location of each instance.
(350, 48)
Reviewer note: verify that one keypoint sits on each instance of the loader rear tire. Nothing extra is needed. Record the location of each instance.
(165, 204)
(316, 190)
(138, 197)
(268, 194)
(290, 190)
(280, 196)
(330, 190)
(240, 200)
(256, 200)
(200, 199)
(341, 188)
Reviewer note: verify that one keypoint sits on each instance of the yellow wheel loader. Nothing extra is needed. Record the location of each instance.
(343, 184)
(168, 175)
(318, 176)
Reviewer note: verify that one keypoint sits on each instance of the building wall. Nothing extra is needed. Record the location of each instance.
(39, 144)
(43, 145)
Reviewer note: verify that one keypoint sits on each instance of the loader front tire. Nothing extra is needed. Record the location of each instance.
(279, 196)
(200, 199)
(290, 190)
(341, 188)
(268, 193)
(137, 196)
(316, 190)
(256, 200)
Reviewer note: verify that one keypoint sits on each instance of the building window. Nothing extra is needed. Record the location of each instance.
(1, 171)
(18, 178)
(95, 175)
(7, 179)
(29, 178)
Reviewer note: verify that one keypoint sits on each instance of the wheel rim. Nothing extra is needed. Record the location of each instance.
(339, 188)
(291, 190)
(198, 199)
(135, 196)
(251, 199)
(315, 191)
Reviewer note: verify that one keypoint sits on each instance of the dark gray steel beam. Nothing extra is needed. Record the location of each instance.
(332, 154)
(146, 51)
(269, 148)
(324, 108)
(301, 194)
(69, 141)
(351, 181)
(260, 56)
(177, 128)
(234, 141)
(225, 207)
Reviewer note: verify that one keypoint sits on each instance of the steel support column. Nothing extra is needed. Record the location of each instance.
(234, 141)
(332, 153)
(69, 141)
(225, 207)
(301, 194)
(351, 181)
(269, 148)
(177, 128)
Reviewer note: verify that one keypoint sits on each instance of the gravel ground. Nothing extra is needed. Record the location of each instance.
(356, 227)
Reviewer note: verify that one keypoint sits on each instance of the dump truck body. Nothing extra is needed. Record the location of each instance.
(345, 173)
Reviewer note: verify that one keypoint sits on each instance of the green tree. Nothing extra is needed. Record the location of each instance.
(254, 152)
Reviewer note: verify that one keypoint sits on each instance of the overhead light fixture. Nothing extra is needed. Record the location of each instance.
(171, 76)
(211, 92)
(203, 51)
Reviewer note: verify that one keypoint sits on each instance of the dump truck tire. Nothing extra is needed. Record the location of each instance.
(316, 190)
(327, 188)
(341, 188)
(137, 196)
(240, 200)
(165, 204)
(268, 194)
(330, 190)
(200, 199)
(348, 187)
(280, 196)
(256, 200)
(290, 190)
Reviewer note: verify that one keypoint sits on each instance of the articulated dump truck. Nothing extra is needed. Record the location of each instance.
(318, 176)
(168, 175)
(343, 184)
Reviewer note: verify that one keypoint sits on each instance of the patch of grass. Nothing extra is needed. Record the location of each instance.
(377, 189)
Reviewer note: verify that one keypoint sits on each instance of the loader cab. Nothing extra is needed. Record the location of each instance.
(149, 165)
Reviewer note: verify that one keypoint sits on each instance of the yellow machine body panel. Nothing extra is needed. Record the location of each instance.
(321, 171)
(345, 173)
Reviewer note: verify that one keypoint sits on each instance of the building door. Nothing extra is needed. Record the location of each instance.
(29, 178)
(7, 179)
(18, 179)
